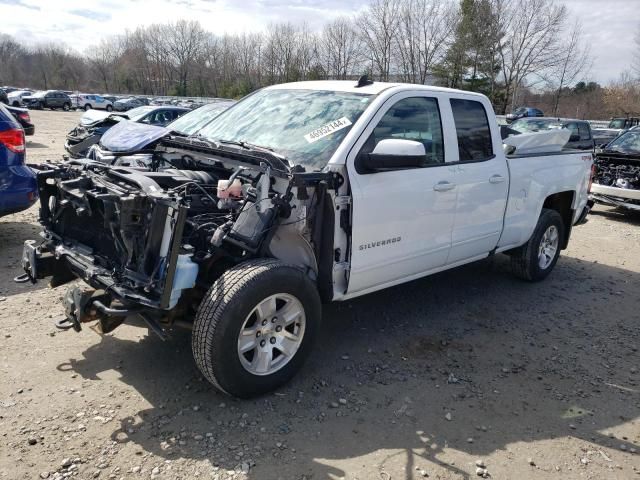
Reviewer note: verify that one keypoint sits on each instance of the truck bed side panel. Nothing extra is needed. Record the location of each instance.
(533, 179)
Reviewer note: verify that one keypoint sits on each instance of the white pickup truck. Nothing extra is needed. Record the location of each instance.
(299, 194)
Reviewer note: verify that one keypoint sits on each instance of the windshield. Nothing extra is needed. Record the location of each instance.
(138, 112)
(628, 142)
(525, 126)
(193, 121)
(305, 126)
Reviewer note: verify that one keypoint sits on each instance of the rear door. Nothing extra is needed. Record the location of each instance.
(482, 182)
(402, 219)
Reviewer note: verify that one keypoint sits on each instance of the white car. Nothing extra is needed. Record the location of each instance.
(299, 194)
(15, 97)
(89, 101)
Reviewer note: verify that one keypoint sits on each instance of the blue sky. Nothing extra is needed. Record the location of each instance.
(609, 25)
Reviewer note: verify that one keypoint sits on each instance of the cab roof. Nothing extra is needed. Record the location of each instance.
(371, 89)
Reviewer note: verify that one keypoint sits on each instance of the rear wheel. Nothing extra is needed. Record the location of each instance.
(109, 108)
(87, 107)
(255, 327)
(535, 259)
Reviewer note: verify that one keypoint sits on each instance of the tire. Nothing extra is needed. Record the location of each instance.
(87, 107)
(231, 306)
(16, 104)
(66, 107)
(528, 261)
(109, 108)
(41, 106)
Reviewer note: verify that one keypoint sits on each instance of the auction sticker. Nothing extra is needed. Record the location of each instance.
(327, 129)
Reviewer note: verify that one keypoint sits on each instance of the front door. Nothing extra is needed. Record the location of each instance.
(402, 219)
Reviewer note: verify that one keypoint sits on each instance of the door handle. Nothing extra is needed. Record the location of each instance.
(496, 179)
(444, 186)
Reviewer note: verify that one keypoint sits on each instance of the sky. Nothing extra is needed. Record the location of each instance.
(609, 25)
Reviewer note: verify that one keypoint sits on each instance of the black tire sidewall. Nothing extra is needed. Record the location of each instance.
(549, 218)
(227, 368)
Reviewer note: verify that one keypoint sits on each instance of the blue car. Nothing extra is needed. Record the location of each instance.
(18, 189)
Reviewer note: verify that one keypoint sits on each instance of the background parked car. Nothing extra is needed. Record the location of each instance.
(94, 124)
(48, 99)
(88, 101)
(111, 98)
(18, 189)
(523, 112)
(581, 137)
(23, 118)
(624, 123)
(132, 144)
(4, 98)
(15, 98)
(617, 126)
(125, 104)
(616, 179)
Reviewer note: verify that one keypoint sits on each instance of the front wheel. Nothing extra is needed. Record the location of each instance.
(535, 259)
(255, 327)
(109, 108)
(66, 107)
(87, 107)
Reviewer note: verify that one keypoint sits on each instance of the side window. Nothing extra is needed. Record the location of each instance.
(415, 118)
(583, 129)
(472, 127)
(573, 128)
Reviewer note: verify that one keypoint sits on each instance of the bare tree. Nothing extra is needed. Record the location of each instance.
(573, 61)
(378, 25)
(635, 65)
(424, 26)
(185, 39)
(341, 48)
(103, 59)
(531, 43)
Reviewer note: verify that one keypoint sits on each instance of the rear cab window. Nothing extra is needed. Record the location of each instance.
(584, 131)
(472, 128)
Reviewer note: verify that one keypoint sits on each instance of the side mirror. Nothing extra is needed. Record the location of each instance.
(392, 154)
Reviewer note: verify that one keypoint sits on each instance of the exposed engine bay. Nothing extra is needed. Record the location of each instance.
(618, 173)
(616, 180)
(155, 239)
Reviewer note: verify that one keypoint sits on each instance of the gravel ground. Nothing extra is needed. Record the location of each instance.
(464, 370)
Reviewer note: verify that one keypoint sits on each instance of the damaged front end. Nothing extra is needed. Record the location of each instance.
(616, 180)
(88, 133)
(149, 243)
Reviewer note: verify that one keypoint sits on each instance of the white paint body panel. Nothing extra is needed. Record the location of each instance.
(494, 205)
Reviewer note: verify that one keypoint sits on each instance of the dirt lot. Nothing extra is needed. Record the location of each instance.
(419, 381)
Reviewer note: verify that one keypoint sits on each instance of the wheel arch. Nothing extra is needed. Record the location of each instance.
(562, 202)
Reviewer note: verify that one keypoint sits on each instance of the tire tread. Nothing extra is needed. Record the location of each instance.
(522, 257)
(238, 278)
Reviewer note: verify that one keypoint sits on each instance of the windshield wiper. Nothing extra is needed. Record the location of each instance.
(257, 148)
(177, 133)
